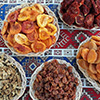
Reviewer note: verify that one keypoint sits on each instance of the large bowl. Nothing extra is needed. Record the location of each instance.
(74, 26)
(21, 71)
(33, 77)
(49, 13)
(92, 81)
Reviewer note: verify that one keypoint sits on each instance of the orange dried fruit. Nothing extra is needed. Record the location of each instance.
(25, 9)
(97, 38)
(98, 57)
(84, 64)
(12, 17)
(15, 28)
(92, 56)
(50, 19)
(24, 16)
(79, 53)
(21, 39)
(86, 45)
(10, 39)
(98, 76)
(92, 68)
(53, 39)
(98, 68)
(33, 15)
(5, 36)
(84, 53)
(28, 27)
(38, 8)
(96, 42)
(38, 46)
(93, 76)
(43, 34)
(4, 29)
(51, 29)
(42, 20)
(47, 42)
(92, 45)
(32, 36)
(22, 49)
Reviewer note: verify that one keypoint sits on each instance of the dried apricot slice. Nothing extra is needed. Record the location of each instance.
(24, 16)
(22, 49)
(51, 29)
(25, 9)
(43, 34)
(84, 53)
(98, 76)
(97, 38)
(4, 29)
(92, 56)
(15, 28)
(38, 8)
(93, 76)
(21, 39)
(47, 42)
(79, 53)
(28, 27)
(84, 64)
(98, 57)
(92, 68)
(42, 20)
(10, 39)
(50, 19)
(98, 68)
(53, 39)
(92, 45)
(12, 17)
(86, 45)
(38, 46)
(33, 15)
(32, 36)
(96, 42)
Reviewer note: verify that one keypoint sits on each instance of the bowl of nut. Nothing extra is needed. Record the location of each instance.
(80, 14)
(88, 60)
(30, 29)
(12, 78)
(55, 79)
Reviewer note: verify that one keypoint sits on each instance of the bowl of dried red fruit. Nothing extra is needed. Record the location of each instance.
(12, 78)
(55, 80)
(81, 14)
(88, 60)
(30, 29)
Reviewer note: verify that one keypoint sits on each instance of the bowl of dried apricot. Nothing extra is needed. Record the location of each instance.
(12, 78)
(55, 80)
(30, 29)
(88, 60)
(81, 14)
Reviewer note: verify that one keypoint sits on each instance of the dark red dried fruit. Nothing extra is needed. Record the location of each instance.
(84, 9)
(66, 2)
(97, 20)
(79, 20)
(89, 21)
(88, 3)
(68, 19)
(63, 9)
(73, 9)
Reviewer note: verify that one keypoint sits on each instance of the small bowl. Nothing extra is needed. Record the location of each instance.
(33, 77)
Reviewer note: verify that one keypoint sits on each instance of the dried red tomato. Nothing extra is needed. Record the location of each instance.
(73, 9)
(88, 3)
(89, 21)
(80, 2)
(68, 19)
(84, 9)
(97, 20)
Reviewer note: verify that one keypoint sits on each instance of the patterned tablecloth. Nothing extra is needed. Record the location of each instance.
(65, 48)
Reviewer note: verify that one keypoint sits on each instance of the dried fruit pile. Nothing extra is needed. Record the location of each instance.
(55, 82)
(89, 57)
(82, 13)
(29, 29)
(10, 80)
